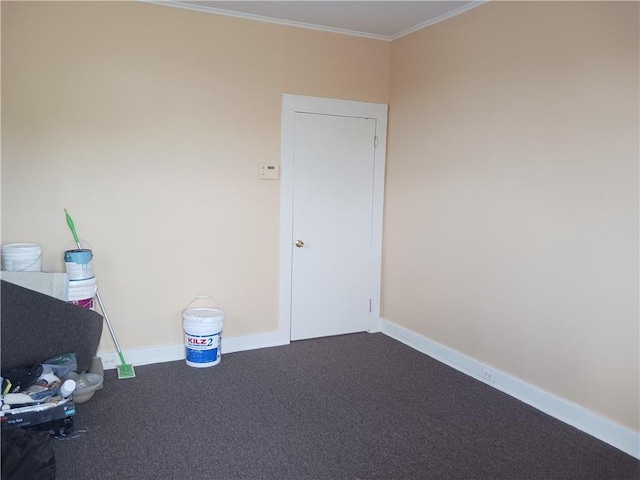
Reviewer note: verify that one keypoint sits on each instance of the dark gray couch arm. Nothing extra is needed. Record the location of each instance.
(36, 327)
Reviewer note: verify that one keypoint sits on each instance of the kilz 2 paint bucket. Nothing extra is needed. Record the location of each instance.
(78, 264)
(21, 257)
(83, 292)
(203, 333)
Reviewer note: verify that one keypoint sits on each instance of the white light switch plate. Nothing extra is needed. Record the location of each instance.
(269, 172)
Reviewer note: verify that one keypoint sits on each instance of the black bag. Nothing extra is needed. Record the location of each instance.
(27, 455)
(21, 378)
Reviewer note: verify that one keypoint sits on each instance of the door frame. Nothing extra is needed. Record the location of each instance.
(292, 104)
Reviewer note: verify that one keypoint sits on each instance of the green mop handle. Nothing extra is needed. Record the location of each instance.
(72, 228)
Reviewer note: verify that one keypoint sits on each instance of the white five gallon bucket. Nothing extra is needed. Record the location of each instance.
(78, 264)
(21, 257)
(83, 292)
(203, 333)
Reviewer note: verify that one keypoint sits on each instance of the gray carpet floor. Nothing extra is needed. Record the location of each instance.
(360, 406)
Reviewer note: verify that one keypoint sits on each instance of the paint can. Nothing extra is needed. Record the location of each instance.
(78, 264)
(83, 292)
(203, 332)
(21, 257)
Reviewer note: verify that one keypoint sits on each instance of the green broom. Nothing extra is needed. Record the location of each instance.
(126, 369)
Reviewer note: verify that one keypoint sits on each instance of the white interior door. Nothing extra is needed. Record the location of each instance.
(333, 193)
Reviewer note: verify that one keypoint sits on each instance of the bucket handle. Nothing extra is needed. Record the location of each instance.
(82, 246)
(202, 297)
(32, 263)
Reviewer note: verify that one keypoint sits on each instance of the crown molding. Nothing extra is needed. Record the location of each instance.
(260, 18)
(309, 26)
(441, 18)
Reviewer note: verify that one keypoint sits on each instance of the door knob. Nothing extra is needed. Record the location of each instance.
(299, 243)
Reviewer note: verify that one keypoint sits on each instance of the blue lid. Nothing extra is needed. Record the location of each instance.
(78, 256)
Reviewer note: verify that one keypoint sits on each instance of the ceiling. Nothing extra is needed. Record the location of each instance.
(385, 20)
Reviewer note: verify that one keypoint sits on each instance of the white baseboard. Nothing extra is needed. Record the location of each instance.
(171, 353)
(564, 410)
(143, 356)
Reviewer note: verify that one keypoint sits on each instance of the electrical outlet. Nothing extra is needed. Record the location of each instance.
(488, 375)
(109, 362)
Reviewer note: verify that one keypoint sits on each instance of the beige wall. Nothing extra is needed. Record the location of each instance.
(511, 208)
(148, 124)
(511, 217)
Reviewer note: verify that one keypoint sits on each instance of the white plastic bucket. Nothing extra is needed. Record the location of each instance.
(78, 264)
(83, 292)
(203, 333)
(21, 257)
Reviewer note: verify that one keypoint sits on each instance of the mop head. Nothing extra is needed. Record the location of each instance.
(126, 369)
